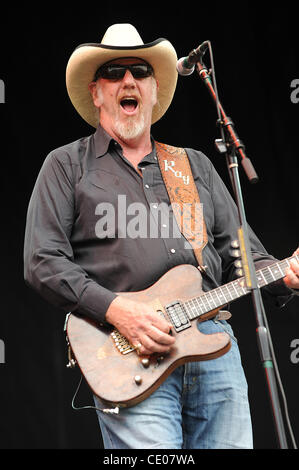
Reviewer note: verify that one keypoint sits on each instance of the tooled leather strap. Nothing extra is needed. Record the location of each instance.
(178, 179)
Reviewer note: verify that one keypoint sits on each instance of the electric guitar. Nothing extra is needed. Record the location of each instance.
(110, 364)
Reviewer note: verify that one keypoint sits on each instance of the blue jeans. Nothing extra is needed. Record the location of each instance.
(201, 405)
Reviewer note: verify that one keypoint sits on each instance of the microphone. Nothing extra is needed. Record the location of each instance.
(186, 65)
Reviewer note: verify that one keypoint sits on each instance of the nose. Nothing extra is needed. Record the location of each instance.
(128, 79)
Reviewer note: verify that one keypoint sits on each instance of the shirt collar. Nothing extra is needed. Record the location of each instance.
(101, 141)
(151, 157)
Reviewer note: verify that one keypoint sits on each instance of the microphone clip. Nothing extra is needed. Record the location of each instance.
(196, 55)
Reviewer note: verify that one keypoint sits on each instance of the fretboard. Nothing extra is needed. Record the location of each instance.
(234, 290)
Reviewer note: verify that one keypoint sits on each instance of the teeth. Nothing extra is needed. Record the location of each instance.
(129, 99)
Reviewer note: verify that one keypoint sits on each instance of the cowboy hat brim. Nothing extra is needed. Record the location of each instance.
(87, 58)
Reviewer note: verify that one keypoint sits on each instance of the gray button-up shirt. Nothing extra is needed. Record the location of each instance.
(95, 227)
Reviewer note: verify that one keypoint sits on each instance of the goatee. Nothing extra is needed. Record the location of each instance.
(130, 129)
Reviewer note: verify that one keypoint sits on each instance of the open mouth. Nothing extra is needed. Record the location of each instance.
(129, 105)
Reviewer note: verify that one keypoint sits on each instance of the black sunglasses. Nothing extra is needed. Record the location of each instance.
(117, 71)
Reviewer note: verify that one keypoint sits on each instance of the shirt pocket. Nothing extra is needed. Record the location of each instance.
(103, 180)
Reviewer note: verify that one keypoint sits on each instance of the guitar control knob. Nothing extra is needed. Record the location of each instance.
(145, 362)
(138, 380)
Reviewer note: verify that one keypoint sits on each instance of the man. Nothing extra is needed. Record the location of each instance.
(121, 87)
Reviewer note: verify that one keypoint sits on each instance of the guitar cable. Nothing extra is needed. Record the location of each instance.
(90, 407)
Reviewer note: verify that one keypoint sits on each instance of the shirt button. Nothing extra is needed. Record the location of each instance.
(172, 250)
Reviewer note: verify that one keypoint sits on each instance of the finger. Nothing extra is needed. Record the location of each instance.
(161, 323)
(141, 349)
(149, 331)
(160, 337)
(150, 346)
(295, 267)
(291, 279)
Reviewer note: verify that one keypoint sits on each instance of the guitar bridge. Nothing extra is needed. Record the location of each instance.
(121, 342)
(178, 315)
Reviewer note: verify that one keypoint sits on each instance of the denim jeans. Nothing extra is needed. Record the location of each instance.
(201, 405)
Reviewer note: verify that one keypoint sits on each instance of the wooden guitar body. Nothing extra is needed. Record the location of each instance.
(125, 379)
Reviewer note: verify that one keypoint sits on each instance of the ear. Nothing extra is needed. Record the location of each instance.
(155, 98)
(94, 93)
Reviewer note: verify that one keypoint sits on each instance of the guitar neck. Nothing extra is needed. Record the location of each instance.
(227, 293)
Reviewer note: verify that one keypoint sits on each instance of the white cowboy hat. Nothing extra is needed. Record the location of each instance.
(120, 40)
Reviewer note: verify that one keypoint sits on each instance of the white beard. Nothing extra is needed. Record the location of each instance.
(131, 128)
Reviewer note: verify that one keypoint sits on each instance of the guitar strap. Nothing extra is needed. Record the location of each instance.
(178, 179)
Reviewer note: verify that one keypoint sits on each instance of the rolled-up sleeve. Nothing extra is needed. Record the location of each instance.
(49, 265)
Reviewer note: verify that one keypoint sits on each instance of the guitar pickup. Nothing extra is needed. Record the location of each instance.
(178, 315)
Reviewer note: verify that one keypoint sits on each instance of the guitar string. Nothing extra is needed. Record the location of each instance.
(234, 289)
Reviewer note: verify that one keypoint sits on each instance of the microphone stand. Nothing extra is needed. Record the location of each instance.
(232, 147)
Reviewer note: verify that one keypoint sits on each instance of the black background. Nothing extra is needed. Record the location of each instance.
(255, 50)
